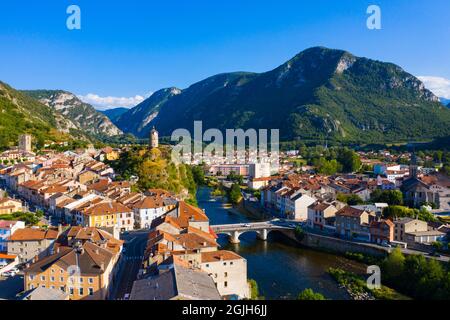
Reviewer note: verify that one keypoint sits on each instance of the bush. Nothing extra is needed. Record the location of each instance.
(309, 294)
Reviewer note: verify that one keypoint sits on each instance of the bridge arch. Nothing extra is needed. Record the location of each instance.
(234, 231)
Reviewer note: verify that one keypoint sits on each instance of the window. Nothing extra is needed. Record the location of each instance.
(61, 279)
(31, 277)
(62, 289)
(31, 286)
(207, 265)
(42, 278)
(81, 291)
(81, 280)
(225, 284)
(91, 280)
(71, 291)
(52, 279)
(226, 274)
(231, 263)
(91, 291)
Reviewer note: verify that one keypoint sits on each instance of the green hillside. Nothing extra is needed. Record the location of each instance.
(319, 94)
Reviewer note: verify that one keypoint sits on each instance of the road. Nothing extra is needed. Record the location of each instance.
(10, 287)
(130, 263)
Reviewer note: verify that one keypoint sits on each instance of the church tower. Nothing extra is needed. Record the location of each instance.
(154, 138)
(413, 168)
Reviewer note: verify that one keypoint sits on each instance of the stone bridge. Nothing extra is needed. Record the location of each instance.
(234, 231)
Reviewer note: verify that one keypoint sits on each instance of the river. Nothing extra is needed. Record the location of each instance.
(281, 268)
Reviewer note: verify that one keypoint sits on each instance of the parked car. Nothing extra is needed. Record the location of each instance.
(435, 254)
(9, 273)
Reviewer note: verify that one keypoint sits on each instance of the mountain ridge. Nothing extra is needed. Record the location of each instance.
(83, 115)
(319, 94)
(22, 114)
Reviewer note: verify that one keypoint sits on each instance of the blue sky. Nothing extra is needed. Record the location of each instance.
(127, 49)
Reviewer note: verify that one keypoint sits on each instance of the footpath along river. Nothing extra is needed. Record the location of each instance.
(281, 269)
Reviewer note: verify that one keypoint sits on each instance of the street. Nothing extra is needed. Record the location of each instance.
(10, 287)
(130, 263)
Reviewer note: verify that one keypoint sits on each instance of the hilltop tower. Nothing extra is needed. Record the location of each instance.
(25, 142)
(154, 138)
(413, 167)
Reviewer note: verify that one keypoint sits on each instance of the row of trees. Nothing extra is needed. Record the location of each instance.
(417, 276)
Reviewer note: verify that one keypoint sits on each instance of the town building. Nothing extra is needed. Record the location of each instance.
(30, 244)
(381, 231)
(7, 229)
(45, 294)
(149, 209)
(83, 265)
(177, 282)
(228, 271)
(8, 206)
(319, 213)
(354, 223)
(414, 231)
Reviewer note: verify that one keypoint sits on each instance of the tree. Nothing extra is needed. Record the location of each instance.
(350, 199)
(327, 167)
(392, 212)
(349, 160)
(391, 197)
(254, 290)
(199, 174)
(234, 194)
(309, 294)
(393, 265)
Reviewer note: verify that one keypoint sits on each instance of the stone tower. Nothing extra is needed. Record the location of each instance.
(25, 142)
(154, 138)
(413, 167)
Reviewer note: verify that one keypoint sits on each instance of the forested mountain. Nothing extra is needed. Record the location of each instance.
(138, 119)
(20, 114)
(319, 94)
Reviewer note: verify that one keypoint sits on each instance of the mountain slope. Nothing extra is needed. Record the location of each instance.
(114, 114)
(83, 115)
(319, 94)
(20, 114)
(137, 120)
